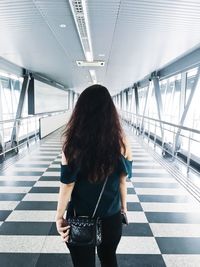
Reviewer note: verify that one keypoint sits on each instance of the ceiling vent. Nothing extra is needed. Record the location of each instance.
(96, 63)
(79, 12)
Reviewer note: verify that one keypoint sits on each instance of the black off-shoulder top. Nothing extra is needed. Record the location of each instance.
(85, 194)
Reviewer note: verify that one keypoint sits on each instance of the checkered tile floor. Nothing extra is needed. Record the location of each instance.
(164, 227)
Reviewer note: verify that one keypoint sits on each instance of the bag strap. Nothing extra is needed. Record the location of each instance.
(100, 197)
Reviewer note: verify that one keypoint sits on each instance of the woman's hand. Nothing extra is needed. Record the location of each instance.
(123, 209)
(63, 229)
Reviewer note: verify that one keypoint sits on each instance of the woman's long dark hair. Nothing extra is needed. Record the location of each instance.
(93, 137)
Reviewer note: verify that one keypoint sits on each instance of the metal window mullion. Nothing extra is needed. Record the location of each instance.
(168, 105)
(136, 100)
(183, 93)
(124, 104)
(165, 99)
(73, 98)
(122, 100)
(117, 100)
(1, 106)
(68, 100)
(136, 103)
(121, 104)
(12, 94)
(173, 95)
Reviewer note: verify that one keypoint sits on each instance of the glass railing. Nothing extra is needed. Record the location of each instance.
(173, 141)
(25, 129)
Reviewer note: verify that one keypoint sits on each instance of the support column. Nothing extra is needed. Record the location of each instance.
(136, 99)
(121, 100)
(158, 100)
(31, 97)
(136, 103)
(12, 93)
(118, 101)
(73, 99)
(131, 99)
(19, 109)
(126, 99)
(68, 104)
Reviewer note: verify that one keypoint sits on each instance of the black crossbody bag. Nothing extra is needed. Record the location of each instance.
(85, 230)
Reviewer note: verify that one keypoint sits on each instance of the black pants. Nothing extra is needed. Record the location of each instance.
(84, 256)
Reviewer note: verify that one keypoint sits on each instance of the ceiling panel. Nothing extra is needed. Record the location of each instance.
(134, 37)
(35, 41)
(148, 35)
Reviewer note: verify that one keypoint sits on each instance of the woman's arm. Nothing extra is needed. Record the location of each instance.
(63, 199)
(64, 194)
(123, 193)
(128, 154)
(123, 187)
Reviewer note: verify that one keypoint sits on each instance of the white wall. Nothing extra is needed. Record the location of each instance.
(51, 123)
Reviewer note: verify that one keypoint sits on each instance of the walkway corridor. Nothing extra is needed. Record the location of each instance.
(164, 218)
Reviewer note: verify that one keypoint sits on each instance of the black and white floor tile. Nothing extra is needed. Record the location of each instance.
(164, 218)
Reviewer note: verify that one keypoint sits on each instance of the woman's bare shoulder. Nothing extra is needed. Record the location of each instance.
(64, 161)
(128, 153)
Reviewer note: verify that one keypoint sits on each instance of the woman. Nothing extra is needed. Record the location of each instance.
(94, 148)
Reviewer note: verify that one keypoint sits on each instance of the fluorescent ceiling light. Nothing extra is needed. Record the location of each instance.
(62, 25)
(93, 76)
(79, 11)
(89, 56)
(92, 73)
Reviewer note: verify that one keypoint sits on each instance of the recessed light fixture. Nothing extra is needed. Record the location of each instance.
(80, 14)
(96, 63)
(62, 25)
(101, 55)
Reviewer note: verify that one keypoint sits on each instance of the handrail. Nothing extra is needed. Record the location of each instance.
(35, 115)
(182, 135)
(164, 122)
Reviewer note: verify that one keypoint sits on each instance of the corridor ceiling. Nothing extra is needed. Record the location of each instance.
(133, 37)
